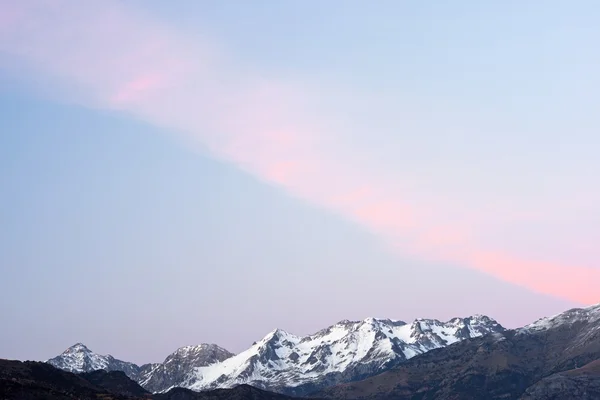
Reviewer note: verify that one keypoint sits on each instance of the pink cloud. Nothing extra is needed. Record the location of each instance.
(568, 281)
(269, 128)
(137, 88)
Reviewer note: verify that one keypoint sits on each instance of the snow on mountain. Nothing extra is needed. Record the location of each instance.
(158, 377)
(78, 358)
(345, 351)
(154, 377)
(283, 362)
(589, 314)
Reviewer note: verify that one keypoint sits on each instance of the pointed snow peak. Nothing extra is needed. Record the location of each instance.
(79, 358)
(276, 334)
(77, 348)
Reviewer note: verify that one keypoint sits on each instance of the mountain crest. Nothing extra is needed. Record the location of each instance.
(185, 351)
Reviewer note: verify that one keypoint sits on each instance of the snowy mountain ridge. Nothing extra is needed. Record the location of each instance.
(288, 363)
(282, 361)
(588, 314)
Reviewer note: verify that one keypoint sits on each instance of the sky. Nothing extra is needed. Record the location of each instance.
(175, 173)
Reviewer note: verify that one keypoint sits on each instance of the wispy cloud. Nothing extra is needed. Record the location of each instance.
(119, 58)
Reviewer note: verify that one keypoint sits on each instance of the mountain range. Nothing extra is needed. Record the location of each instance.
(554, 358)
(285, 363)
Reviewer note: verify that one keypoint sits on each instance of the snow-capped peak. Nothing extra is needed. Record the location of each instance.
(174, 369)
(79, 358)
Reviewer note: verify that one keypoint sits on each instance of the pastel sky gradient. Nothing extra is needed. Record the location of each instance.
(191, 171)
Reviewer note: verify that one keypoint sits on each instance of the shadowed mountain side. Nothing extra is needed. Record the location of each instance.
(115, 382)
(580, 383)
(243, 392)
(35, 380)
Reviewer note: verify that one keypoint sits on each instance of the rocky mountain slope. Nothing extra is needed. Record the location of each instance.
(553, 358)
(282, 362)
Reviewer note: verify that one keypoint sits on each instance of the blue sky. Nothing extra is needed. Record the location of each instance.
(207, 171)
